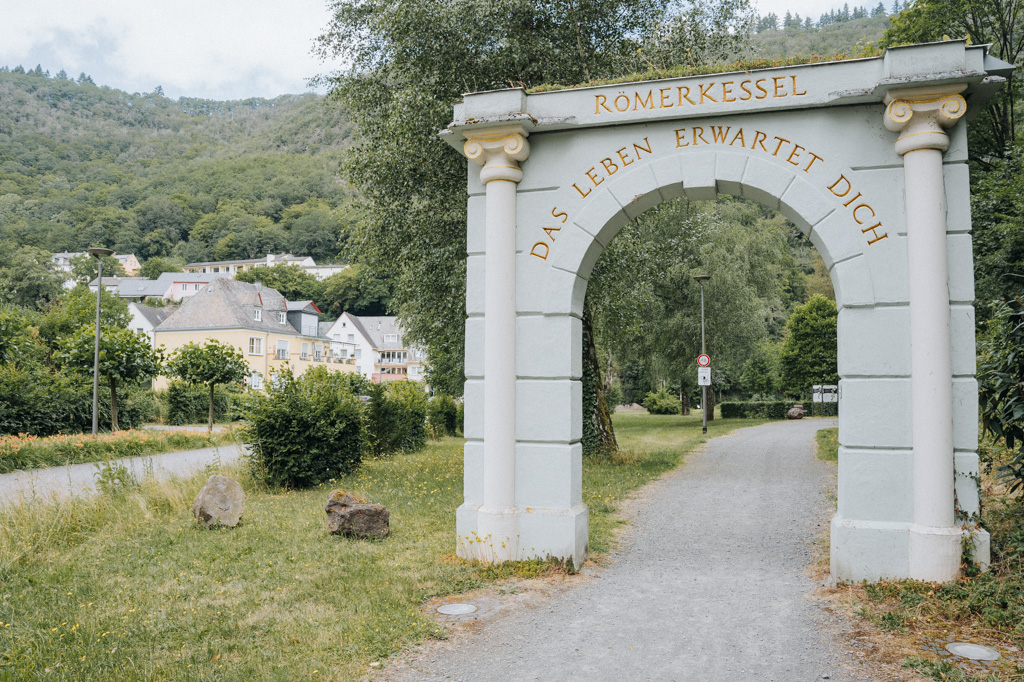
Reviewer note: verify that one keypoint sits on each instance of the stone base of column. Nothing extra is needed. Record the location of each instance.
(877, 550)
(563, 534)
(935, 553)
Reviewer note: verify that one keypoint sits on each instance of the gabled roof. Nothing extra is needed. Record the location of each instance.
(375, 328)
(228, 304)
(171, 277)
(154, 315)
(131, 288)
(111, 281)
(302, 306)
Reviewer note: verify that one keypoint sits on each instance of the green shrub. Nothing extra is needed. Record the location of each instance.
(460, 416)
(303, 431)
(442, 416)
(185, 403)
(395, 418)
(662, 402)
(770, 409)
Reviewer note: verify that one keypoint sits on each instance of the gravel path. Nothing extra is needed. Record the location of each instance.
(710, 583)
(80, 479)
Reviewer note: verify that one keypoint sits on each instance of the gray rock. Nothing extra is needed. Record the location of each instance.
(353, 516)
(795, 413)
(221, 501)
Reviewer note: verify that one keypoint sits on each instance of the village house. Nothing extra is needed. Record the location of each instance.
(62, 262)
(230, 268)
(169, 286)
(271, 332)
(147, 318)
(377, 347)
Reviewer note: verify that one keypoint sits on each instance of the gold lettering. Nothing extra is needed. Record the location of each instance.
(776, 80)
(679, 138)
(857, 208)
(738, 136)
(666, 94)
(596, 181)
(619, 96)
(704, 92)
(699, 134)
(637, 148)
(816, 158)
(745, 87)
(610, 167)
(795, 93)
(781, 140)
(759, 139)
(561, 214)
(625, 158)
(760, 88)
(549, 230)
(793, 154)
(600, 101)
(685, 96)
(718, 135)
(726, 91)
(643, 103)
(533, 251)
(582, 193)
(852, 200)
(832, 188)
(874, 233)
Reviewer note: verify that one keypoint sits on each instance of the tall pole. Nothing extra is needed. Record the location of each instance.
(96, 355)
(703, 351)
(98, 254)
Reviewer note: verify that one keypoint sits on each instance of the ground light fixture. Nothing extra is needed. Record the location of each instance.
(98, 254)
(703, 389)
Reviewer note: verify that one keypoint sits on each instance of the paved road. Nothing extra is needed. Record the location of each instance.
(80, 479)
(710, 584)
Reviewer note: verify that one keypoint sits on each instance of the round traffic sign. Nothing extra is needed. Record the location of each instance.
(703, 360)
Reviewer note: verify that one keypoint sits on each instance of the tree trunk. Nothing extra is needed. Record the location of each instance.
(113, 404)
(598, 432)
(685, 399)
(211, 407)
(710, 406)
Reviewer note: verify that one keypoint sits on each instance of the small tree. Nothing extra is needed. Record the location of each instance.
(809, 353)
(211, 364)
(124, 356)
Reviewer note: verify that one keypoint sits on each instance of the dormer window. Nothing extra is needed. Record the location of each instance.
(257, 314)
(390, 338)
(282, 318)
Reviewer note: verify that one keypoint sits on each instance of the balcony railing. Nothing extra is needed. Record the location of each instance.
(282, 354)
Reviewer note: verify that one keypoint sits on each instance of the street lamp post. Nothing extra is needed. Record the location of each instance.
(703, 389)
(98, 254)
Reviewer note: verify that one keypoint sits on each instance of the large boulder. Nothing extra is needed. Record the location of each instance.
(221, 501)
(795, 412)
(353, 516)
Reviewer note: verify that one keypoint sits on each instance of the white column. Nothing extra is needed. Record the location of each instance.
(920, 117)
(499, 150)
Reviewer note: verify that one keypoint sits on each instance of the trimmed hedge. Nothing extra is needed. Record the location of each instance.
(442, 416)
(395, 418)
(775, 409)
(185, 403)
(822, 409)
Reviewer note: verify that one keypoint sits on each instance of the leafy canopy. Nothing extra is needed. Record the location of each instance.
(809, 353)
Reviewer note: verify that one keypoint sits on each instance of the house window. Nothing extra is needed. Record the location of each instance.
(140, 330)
(351, 337)
(195, 287)
(257, 315)
(282, 318)
(255, 345)
(305, 350)
(216, 269)
(318, 352)
(359, 353)
(256, 380)
(390, 338)
(184, 287)
(282, 349)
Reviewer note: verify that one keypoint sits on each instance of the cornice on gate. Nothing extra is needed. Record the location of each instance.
(854, 81)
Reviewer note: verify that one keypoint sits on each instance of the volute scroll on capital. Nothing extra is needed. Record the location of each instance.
(922, 116)
(499, 151)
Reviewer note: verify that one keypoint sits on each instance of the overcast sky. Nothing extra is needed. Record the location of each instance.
(219, 49)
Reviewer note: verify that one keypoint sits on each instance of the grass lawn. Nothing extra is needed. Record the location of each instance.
(126, 586)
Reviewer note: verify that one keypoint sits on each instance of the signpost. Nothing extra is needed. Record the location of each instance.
(703, 376)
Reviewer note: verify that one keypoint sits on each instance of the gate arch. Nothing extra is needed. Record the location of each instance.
(564, 171)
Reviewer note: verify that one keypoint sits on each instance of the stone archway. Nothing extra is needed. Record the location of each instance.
(867, 157)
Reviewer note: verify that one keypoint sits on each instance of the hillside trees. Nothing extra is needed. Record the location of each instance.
(809, 351)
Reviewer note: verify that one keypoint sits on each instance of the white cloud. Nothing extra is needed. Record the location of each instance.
(223, 49)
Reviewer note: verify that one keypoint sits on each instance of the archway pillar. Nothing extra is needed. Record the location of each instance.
(495, 535)
(921, 116)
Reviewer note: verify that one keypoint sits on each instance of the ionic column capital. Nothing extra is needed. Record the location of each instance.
(921, 115)
(499, 151)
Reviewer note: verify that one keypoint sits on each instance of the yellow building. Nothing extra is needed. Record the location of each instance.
(271, 332)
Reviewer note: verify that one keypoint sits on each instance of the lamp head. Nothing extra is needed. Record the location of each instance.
(702, 278)
(98, 252)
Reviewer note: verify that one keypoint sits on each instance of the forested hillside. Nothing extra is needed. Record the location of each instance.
(83, 165)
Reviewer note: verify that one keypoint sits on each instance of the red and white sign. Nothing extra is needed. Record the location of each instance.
(703, 360)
